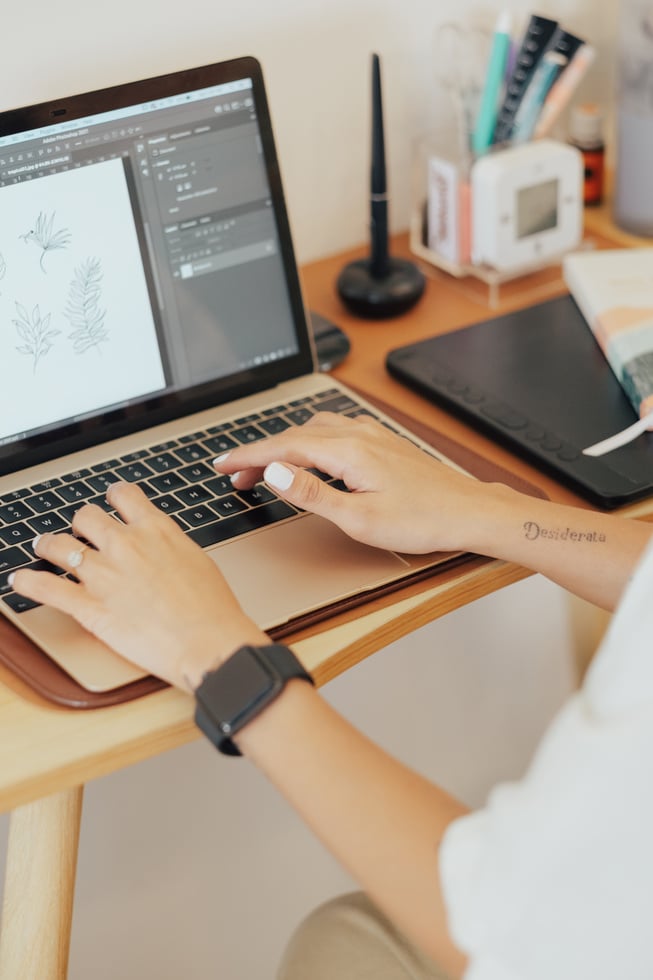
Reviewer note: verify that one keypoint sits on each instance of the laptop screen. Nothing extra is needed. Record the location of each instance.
(146, 265)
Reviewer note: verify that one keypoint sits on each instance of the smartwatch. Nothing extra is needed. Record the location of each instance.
(240, 688)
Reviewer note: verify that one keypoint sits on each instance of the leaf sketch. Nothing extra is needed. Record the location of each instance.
(35, 331)
(83, 309)
(45, 238)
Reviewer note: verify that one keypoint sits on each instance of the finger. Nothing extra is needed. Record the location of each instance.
(64, 550)
(93, 524)
(303, 446)
(308, 492)
(130, 502)
(52, 590)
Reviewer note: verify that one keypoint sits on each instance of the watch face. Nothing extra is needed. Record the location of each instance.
(243, 683)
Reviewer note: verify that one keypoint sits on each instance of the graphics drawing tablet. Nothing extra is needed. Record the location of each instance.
(537, 382)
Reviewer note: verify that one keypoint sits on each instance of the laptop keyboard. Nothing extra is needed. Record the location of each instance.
(178, 478)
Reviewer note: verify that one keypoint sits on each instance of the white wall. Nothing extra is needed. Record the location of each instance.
(189, 865)
(315, 55)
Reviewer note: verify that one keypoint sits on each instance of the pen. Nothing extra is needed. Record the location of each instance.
(563, 89)
(494, 79)
(550, 66)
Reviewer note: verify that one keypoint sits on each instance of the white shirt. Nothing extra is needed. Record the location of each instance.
(553, 879)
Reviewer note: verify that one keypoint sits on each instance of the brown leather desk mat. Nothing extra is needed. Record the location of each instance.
(46, 678)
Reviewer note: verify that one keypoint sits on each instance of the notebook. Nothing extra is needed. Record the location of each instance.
(152, 318)
(537, 381)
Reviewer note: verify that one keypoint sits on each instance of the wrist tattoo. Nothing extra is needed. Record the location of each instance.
(533, 531)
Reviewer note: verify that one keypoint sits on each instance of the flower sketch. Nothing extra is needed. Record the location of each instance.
(34, 330)
(45, 238)
(83, 309)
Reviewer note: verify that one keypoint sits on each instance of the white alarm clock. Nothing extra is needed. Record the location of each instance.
(527, 204)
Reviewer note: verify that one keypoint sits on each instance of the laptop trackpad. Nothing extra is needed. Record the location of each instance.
(283, 571)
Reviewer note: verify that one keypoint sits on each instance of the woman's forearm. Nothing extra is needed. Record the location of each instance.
(589, 553)
(382, 821)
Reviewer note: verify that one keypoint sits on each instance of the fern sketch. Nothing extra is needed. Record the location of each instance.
(83, 307)
(44, 236)
(34, 330)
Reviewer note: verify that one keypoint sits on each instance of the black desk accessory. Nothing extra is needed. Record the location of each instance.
(380, 286)
(331, 343)
(536, 381)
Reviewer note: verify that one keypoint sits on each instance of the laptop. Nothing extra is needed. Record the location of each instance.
(152, 318)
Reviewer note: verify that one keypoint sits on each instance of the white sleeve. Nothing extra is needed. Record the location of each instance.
(553, 879)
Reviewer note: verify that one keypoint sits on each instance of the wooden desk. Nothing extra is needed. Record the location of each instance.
(48, 753)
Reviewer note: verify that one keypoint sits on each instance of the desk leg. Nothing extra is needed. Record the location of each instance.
(39, 887)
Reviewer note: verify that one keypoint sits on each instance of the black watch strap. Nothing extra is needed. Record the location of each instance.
(241, 688)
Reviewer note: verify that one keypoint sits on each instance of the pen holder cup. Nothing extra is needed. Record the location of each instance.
(521, 205)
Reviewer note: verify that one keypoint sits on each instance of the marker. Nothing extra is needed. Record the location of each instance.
(550, 66)
(563, 89)
(494, 80)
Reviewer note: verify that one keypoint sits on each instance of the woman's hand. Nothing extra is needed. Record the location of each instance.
(402, 498)
(144, 589)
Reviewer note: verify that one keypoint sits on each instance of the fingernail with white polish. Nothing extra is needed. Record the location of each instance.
(220, 459)
(10, 578)
(278, 476)
(234, 476)
(36, 541)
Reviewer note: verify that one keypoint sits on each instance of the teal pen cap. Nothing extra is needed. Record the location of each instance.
(546, 74)
(494, 80)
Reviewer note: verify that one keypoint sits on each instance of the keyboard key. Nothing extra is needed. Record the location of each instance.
(219, 485)
(224, 427)
(45, 501)
(226, 506)
(199, 471)
(75, 475)
(257, 495)
(109, 464)
(195, 516)
(219, 444)
(16, 533)
(17, 511)
(14, 495)
(46, 485)
(102, 481)
(274, 425)
(134, 472)
(167, 482)
(196, 494)
(163, 462)
(48, 522)
(300, 401)
(300, 415)
(168, 504)
(76, 491)
(242, 523)
(340, 403)
(135, 456)
(162, 447)
(10, 559)
(246, 419)
(190, 454)
(248, 433)
(19, 603)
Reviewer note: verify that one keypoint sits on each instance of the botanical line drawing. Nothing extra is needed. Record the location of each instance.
(35, 331)
(83, 307)
(43, 236)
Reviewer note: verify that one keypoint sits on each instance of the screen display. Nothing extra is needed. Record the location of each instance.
(537, 208)
(140, 257)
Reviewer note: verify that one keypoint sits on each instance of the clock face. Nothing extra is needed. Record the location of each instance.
(536, 208)
(526, 204)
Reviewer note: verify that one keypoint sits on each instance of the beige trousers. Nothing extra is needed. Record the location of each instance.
(349, 939)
